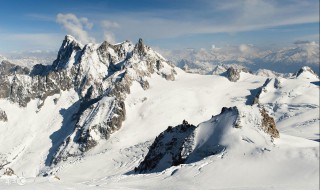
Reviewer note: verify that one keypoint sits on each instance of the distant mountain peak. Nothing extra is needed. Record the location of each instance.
(306, 72)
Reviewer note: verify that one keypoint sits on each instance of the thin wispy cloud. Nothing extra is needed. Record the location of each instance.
(219, 17)
(173, 24)
(76, 26)
(107, 26)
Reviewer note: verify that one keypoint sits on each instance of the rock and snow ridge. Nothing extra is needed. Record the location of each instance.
(100, 74)
(232, 131)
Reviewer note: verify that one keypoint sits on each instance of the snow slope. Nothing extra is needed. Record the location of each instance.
(294, 103)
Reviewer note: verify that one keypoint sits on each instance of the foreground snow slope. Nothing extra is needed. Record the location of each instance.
(290, 162)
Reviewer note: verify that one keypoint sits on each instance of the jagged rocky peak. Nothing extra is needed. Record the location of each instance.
(235, 130)
(104, 47)
(70, 49)
(101, 75)
(81, 68)
(114, 53)
(140, 47)
(3, 116)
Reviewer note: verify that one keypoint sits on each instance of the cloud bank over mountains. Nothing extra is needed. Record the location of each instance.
(76, 26)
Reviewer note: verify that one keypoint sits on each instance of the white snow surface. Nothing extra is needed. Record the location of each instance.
(250, 162)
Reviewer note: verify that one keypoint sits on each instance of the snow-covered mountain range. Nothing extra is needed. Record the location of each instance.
(103, 116)
(285, 60)
(29, 59)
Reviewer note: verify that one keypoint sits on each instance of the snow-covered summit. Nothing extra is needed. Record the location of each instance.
(306, 73)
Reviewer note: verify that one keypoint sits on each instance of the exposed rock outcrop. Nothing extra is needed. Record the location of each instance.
(8, 172)
(268, 125)
(140, 47)
(3, 116)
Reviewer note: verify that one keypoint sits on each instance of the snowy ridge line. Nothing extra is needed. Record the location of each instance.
(233, 131)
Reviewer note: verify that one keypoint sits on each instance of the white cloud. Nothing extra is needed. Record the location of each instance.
(218, 17)
(107, 24)
(244, 48)
(109, 37)
(76, 26)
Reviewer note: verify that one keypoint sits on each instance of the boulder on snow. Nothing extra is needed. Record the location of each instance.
(3, 116)
(8, 172)
(233, 73)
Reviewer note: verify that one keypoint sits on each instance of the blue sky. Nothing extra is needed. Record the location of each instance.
(170, 24)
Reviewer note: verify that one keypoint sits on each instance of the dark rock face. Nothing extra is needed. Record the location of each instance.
(140, 47)
(277, 83)
(233, 74)
(170, 148)
(3, 116)
(8, 172)
(268, 125)
(70, 49)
